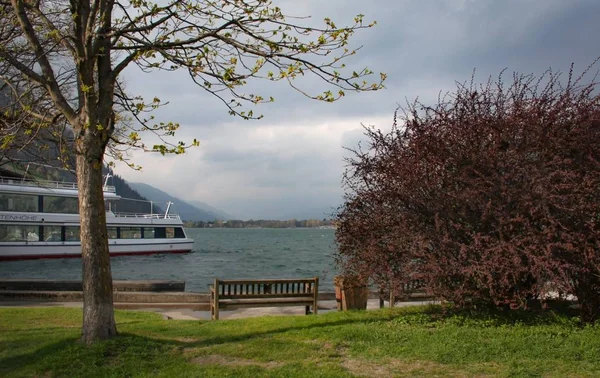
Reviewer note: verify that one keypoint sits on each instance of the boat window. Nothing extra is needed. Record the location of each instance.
(159, 233)
(131, 233)
(179, 234)
(170, 232)
(19, 233)
(72, 233)
(18, 202)
(112, 232)
(52, 234)
(148, 232)
(63, 205)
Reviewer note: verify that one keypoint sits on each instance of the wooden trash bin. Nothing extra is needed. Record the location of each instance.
(338, 297)
(350, 293)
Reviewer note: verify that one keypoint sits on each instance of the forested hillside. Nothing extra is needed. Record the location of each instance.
(132, 201)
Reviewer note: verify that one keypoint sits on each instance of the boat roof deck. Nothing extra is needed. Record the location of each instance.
(47, 184)
(146, 216)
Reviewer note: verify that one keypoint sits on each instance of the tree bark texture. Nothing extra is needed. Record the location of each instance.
(98, 315)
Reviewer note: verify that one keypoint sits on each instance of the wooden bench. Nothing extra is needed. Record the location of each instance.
(413, 290)
(230, 294)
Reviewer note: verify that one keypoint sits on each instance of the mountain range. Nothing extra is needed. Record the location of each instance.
(189, 211)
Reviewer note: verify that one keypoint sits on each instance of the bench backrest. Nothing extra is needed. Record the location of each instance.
(273, 288)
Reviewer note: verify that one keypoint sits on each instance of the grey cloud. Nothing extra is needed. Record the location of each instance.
(224, 155)
(304, 163)
(352, 138)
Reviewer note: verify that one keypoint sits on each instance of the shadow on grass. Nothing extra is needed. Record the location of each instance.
(225, 339)
(50, 329)
(12, 363)
(125, 354)
(145, 347)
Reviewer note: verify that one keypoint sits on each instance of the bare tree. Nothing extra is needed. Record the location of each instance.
(74, 51)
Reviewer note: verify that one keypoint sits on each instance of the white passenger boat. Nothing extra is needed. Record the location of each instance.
(39, 219)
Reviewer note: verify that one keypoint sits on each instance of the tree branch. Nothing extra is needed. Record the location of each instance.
(50, 80)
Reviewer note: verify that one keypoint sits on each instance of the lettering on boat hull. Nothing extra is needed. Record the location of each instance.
(19, 217)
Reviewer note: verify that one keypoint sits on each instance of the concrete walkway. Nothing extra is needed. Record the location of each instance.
(187, 314)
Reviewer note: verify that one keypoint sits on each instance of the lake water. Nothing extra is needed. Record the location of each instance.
(223, 253)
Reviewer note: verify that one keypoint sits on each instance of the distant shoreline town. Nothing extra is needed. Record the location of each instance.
(292, 223)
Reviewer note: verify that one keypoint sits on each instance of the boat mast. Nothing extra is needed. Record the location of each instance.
(169, 203)
(104, 188)
(106, 181)
(26, 172)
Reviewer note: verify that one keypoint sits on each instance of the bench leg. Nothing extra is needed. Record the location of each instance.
(212, 310)
(307, 310)
(215, 311)
(214, 314)
(316, 297)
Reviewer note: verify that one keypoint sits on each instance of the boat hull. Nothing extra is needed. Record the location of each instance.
(47, 250)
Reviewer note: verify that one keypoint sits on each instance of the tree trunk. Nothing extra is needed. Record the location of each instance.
(98, 313)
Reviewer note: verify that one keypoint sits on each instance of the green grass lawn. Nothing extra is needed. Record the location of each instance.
(43, 342)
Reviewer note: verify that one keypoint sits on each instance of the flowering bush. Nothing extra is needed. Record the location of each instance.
(491, 197)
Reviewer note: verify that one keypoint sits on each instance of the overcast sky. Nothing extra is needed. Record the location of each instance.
(290, 163)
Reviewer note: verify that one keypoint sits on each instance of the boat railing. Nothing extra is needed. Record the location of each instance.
(47, 184)
(147, 216)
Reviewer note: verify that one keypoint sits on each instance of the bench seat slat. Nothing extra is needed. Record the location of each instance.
(266, 303)
(266, 296)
